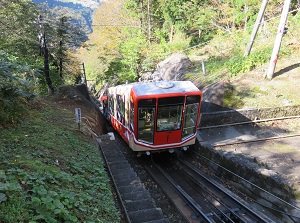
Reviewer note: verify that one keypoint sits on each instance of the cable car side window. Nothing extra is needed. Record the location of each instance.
(169, 113)
(190, 115)
(146, 116)
(121, 108)
(131, 115)
(111, 104)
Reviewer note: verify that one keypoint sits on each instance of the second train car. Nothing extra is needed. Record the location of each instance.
(155, 116)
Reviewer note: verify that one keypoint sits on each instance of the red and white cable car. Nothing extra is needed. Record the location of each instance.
(155, 116)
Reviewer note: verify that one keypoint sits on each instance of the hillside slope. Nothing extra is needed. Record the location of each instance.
(251, 89)
(50, 171)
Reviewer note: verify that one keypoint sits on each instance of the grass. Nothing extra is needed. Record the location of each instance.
(224, 61)
(51, 173)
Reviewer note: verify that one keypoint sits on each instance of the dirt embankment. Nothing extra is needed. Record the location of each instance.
(71, 97)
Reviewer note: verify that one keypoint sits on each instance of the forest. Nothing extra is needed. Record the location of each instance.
(131, 37)
(42, 48)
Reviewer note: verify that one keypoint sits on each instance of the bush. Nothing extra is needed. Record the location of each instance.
(16, 87)
(240, 64)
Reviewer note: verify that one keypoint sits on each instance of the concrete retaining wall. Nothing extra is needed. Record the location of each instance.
(244, 115)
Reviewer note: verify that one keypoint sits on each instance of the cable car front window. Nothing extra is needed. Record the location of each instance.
(169, 114)
(169, 118)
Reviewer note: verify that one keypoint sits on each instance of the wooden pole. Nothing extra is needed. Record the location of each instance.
(203, 67)
(280, 32)
(84, 81)
(256, 26)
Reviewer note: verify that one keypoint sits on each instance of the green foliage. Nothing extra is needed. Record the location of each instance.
(166, 27)
(128, 65)
(41, 88)
(236, 65)
(148, 64)
(18, 31)
(230, 99)
(171, 12)
(21, 64)
(63, 36)
(17, 83)
(172, 26)
(51, 173)
(215, 64)
(241, 64)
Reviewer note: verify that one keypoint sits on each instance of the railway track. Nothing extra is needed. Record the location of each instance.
(196, 197)
(250, 122)
(256, 194)
(229, 207)
(207, 200)
(252, 131)
(250, 149)
(139, 206)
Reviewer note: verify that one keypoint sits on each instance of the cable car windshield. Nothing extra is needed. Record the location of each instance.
(169, 118)
(169, 114)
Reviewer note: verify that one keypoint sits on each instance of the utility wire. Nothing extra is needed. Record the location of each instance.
(205, 43)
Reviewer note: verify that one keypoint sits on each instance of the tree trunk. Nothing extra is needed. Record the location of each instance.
(60, 59)
(149, 22)
(47, 72)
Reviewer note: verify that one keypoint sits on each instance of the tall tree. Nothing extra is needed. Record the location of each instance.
(64, 35)
(19, 56)
(18, 31)
(102, 51)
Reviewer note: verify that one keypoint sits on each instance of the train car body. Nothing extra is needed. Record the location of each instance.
(155, 116)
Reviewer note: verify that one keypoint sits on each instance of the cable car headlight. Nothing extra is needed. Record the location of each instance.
(185, 148)
(171, 150)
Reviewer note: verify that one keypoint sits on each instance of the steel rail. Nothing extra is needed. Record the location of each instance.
(248, 122)
(214, 197)
(227, 194)
(184, 195)
(249, 182)
(255, 140)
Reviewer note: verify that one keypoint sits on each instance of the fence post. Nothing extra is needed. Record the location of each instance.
(203, 67)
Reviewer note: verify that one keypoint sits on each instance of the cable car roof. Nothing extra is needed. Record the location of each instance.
(164, 87)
